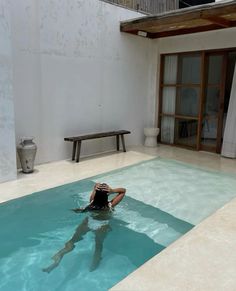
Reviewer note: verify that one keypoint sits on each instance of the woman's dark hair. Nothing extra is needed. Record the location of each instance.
(100, 198)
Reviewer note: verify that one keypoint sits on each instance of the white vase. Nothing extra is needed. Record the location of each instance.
(151, 134)
(27, 151)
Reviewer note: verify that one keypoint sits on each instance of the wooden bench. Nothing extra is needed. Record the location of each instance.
(77, 140)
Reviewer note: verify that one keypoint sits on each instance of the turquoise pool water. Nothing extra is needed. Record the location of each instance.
(163, 202)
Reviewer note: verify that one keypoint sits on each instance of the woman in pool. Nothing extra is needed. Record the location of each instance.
(99, 198)
(98, 222)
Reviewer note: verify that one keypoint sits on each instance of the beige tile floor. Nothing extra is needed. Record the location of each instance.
(203, 259)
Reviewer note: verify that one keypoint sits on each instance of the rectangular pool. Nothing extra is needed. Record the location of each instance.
(164, 200)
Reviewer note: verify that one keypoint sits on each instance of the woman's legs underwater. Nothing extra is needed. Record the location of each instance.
(81, 230)
(100, 235)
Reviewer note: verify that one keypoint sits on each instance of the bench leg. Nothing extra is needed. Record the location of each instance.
(123, 142)
(74, 150)
(78, 150)
(118, 142)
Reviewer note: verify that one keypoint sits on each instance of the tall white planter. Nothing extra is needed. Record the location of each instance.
(27, 152)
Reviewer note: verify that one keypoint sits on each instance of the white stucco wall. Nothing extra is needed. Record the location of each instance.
(218, 39)
(7, 130)
(74, 72)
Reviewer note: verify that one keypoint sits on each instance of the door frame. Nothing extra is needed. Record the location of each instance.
(204, 54)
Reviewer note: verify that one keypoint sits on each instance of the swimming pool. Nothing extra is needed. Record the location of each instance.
(164, 200)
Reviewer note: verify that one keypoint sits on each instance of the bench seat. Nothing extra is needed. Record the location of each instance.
(78, 139)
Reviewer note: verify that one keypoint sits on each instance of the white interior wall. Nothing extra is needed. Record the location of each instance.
(218, 39)
(74, 72)
(7, 128)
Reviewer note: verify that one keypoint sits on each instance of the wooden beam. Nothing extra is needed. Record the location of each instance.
(218, 20)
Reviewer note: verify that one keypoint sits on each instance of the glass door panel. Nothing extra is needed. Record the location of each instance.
(168, 100)
(186, 132)
(210, 117)
(170, 69)
(211, 101)
(188, 101)
(189, 69)
(167, 129)
(181, 83)
(215, 63)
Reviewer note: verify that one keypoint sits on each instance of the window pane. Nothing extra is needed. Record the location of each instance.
(188, 101)
(215, 69)
(170, 69)
(167, 129)
(209, 130)
(190, 69)
(212, 100)
(210, 117)
(186, 132)
(168, 100)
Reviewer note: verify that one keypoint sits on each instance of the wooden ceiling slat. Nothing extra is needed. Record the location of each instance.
(146, 22)
(183, 31)
(181, 25)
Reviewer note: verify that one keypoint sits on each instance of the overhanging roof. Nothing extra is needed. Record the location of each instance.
(183, 21)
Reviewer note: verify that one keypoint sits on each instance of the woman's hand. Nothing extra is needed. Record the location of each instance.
(103, 187)
(96, 186)
(108, 189)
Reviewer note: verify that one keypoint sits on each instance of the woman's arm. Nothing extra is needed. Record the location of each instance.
(91, 198)
(121, 193)
(93, 192)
